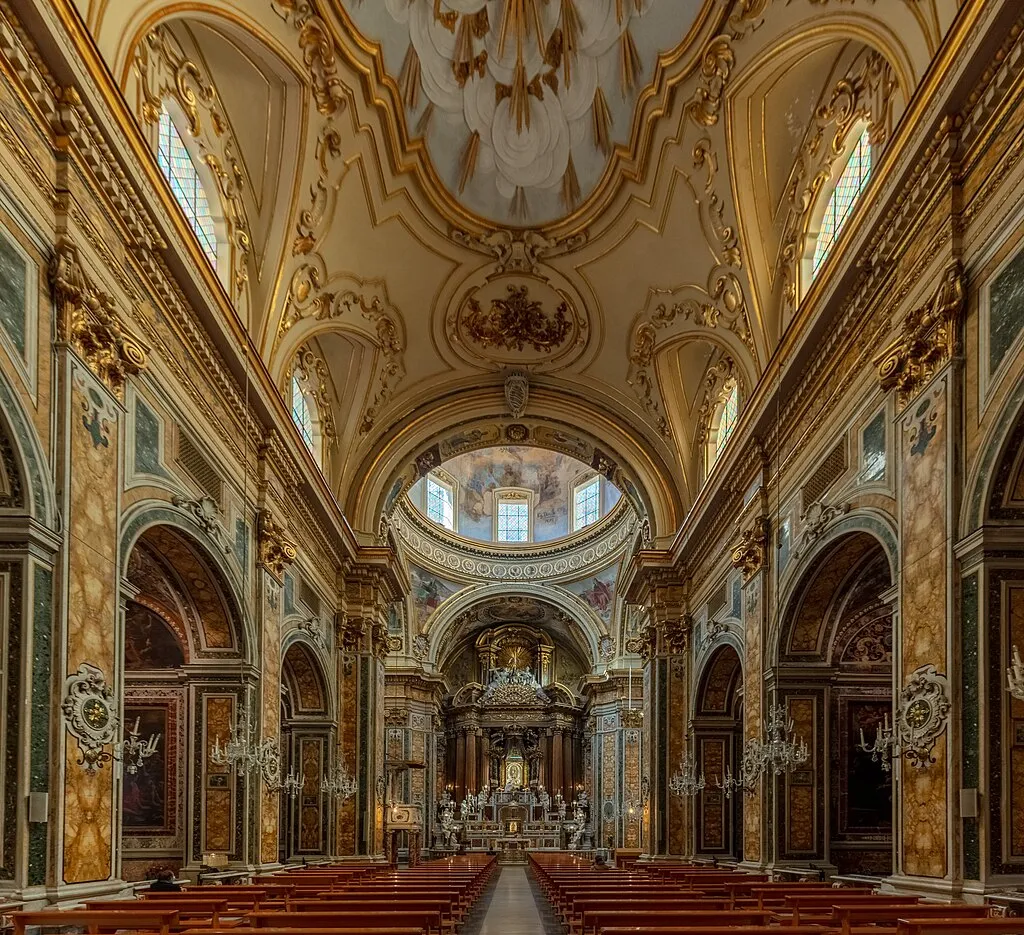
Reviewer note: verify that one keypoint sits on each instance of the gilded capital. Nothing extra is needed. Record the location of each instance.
(88, 322)
(751, 551)
(276, 549)
(928, 338)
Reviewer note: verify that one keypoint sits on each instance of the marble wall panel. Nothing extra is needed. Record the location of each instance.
(310, 812)
(92, 620)
(218, 783)
(348, 697)
(711, 803)
(801, 816)
(753, 674)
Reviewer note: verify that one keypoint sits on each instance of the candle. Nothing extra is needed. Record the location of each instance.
(135, 730)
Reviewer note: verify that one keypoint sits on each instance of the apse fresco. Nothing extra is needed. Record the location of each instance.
(428, 593)
(598, 591)
(550, 475)
(149, 643)
(146, 805)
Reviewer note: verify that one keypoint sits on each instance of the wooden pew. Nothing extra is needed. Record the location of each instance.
(717, 930)
(581, 907)
(847, 916)
(399, 901)
(96, 920)
(595, 921)
(909, 925)
(814, 905)
(191, 911)
(429, 921)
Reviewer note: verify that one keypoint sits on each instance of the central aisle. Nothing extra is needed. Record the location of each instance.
(512, 909)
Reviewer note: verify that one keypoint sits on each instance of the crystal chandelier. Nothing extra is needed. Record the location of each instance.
(1015, 676)
(245, 753)
(750, 769)
(291, 785)
(133, 751)
(339, 784)
(884, 745)
(781, 752)
(686, 782)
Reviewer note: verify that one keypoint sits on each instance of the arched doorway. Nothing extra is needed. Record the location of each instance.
(307, 732)
(834, 677)
(716, 733)
(183, 646)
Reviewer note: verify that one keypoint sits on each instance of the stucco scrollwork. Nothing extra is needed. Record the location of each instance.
(204, 511)
(277, 550)
(922, 715)
(750, 552)
(90, 715)
(89, 323)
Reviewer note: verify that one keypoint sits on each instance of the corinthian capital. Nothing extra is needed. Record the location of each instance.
(751, 551)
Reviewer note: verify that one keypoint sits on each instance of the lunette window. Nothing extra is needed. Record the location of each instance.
(844, 196)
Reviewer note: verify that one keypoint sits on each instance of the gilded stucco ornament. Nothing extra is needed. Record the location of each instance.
(922, 715)
(276, 549)
(90, 715)
(749, 554)
(814, 520)
(515, 320)
(928, 338)
(89, 323)
(317, 47)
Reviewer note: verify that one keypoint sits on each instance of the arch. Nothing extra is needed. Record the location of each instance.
(303, 675)
(424, 440)
(719, 679)
(28, 458)
(151, 514)
(990, 473)
(443, 623)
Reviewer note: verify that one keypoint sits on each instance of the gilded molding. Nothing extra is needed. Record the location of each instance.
(276, 550)
(89, 707)
(317, 46)
(318, 382)
(750, 553)
(515, 321)
(88, 322)
(928, 338)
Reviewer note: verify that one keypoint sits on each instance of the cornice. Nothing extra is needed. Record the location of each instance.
(564, 560)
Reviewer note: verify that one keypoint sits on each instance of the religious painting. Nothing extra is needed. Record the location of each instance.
(149, 642)
(147, 794)
(598, 592)
(428, 593)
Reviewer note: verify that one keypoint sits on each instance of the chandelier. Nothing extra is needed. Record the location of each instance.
(884, 745)
(245, 753)
(750, 769)
(339, 784)
(780, 752)
(685, 781)
(1015, 676)
(134, 751)
(291, 785)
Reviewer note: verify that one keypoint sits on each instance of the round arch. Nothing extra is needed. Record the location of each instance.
(472, 417)
(443, 623)
(296, 640)
(150, 514)
(28, 457)
(1005, 434)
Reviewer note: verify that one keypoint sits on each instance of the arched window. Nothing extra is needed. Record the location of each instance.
(176, 163)
(513, 516)
(440, 502)
(305, 415)
(844, 196)
(727, 419)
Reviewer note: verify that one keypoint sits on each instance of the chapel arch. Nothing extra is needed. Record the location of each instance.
(184, 643)
(834, 677)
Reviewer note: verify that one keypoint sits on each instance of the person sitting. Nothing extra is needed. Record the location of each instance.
(600, 863)
(164, 882)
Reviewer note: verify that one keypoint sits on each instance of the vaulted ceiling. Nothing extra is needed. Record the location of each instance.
(610, 195)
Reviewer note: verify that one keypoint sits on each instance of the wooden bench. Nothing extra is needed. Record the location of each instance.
(847, 916)
(716, 930)
(661, 918)
(188, 909)
(910, 925)
(429, 921)
(805, 904)
(666, 903)
(138, 918)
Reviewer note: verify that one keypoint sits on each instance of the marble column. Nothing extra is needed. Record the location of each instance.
(557, 776)
(472, 783)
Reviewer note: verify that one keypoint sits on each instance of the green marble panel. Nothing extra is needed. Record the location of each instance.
(873, 441)
(1005, 311)
(14, 294)
(39, 779)
(147, 441)
(969, 717)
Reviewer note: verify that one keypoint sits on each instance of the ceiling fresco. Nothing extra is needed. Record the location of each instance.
(521, 104)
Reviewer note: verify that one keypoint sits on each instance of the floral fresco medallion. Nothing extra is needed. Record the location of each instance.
(524, 107)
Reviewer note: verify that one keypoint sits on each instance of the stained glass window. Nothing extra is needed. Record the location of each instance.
(840, 205)
(440, 503)
(586, 503)
(513, 521)
(302, 414)
(727, 421)
(180, 171)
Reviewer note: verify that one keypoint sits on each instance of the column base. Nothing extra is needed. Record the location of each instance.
(933, 887)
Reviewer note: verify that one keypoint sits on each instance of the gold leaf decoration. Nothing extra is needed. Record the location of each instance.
(629, 61)
(409, 79)
(513, 323)
(602, 123)
(570, 186)
(468, 160)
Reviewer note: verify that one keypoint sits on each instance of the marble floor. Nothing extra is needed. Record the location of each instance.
(512, 905)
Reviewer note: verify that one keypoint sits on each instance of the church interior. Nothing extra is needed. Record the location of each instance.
(484, 455)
